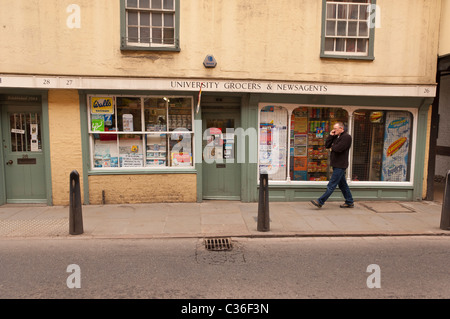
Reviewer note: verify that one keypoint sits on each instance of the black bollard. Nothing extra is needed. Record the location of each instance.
(445, 215)
(263, 205)
(75, 210)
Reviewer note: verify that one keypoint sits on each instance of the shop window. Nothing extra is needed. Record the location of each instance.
(150, 24)
(382, 145)
(346, 29)
(273, 142)
(141, 132)
(310, 126)
(300, 155)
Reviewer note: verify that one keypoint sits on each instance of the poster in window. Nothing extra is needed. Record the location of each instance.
(98, 124)
(396, 146)
(102, 105)
(127, 122)
(181, 159)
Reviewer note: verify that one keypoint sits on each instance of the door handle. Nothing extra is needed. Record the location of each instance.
(10, 162)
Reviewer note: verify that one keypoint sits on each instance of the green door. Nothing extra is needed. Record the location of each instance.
(221, 171)
(23, 154)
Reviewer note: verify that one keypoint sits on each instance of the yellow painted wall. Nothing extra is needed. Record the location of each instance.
(65, 142)
(132, 189)
(252, 39)
(444, 37)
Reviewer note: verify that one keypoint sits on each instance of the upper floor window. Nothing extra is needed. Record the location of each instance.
(347, 31)
(150, 24)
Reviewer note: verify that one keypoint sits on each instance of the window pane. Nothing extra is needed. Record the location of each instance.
(180, 149)
(155, 111)
(145, 4)
(363, 30)
(133, 34)
(329, 44)
(351, 45)
(362, 45)
(309, 158)
(25, 133)
(331, 28)
(169, 35)
(145, 35)
(132, 3)
(381, 149)
(130, 150)
(342, 28)
(180, 114)
(132, 18)
(363, 13)
(273, 142)
(342, 11)
(156, 4)
(129, 114)
(331, 11)
(145, 19)
(156, 35)
(340, 45)
(105, 151)
(353, 12)
(168, 20)
(352, 29)
(156, 19)
(168, 4)
(156, 147)
(103, 122)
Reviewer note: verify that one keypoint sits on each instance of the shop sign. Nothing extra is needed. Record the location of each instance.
(245, 86)
(102, 105)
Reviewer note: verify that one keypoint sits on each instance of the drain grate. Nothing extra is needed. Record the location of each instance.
(218, 244)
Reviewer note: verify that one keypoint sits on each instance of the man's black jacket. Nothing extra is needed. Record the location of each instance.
(340, 147)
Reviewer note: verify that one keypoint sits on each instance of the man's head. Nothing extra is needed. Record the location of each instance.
(338, 128)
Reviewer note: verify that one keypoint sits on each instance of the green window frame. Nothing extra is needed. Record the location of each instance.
(150, 25)
(341, 28)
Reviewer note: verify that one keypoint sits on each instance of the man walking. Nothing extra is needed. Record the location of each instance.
(340, 142)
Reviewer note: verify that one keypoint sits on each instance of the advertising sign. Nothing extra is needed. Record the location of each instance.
(102, 105)
(397, 137)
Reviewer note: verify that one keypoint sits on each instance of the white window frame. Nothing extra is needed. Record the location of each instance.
(163, 11)
(141, 132)
(347, 37)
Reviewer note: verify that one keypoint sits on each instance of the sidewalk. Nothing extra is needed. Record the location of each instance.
(224, 219)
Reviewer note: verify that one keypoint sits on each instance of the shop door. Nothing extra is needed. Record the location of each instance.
(221, 172)
(23, 160)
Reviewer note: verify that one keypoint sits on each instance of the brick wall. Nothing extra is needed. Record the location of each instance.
(132, 189)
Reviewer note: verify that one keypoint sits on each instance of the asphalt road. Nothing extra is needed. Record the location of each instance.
(283, 268)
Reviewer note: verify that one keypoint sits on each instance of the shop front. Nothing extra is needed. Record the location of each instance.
(216, 150)
(165, 140)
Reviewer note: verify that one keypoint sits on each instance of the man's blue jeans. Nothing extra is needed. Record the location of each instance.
(337, 179)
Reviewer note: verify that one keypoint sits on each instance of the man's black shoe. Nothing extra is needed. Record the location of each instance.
(316, 203)
(347, 205)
